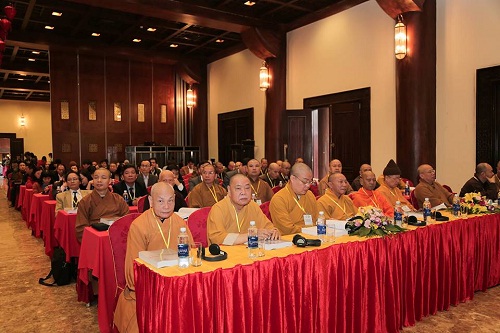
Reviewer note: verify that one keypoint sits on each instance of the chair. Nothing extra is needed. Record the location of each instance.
(448, 188)
(404, 180)
(314, 189)
(276, 189)
(197, 223)
(140, 203)
(265, 209)
(118, 233)
(413, 200)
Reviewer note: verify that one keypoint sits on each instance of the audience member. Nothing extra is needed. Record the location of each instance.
(285, 172)
(334, 203)
(69, 199)
(261, 189)
(130, 184)
(335, 166)
(480, 182)
(356, 184)
(428, 187)
(366, 196)
(389, 188)
(208, 192)
(145, 177)
(272, 175)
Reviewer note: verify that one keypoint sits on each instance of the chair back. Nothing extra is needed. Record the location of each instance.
(314, 189)
(404, 180)
(413, 200)
(197, 223)
(265, 209)
(448, 188)
(140, 203)
(118, 233)
(276, 189)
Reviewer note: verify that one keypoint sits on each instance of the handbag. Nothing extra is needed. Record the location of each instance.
(62, 271)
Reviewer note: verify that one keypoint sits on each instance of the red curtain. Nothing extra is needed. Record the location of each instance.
(378, 285)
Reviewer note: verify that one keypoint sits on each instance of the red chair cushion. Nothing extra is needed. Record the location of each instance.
(265, 209)
(197, 223)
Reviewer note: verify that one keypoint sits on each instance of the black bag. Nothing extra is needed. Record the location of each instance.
(61, 270)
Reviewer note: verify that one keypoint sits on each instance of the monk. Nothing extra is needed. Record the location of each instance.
(389, 188)
(335, 166)
(334, 203)
(366, 196)
(294, 206)
(208, 192)
(155, 229)
(428, 187)
(261, 189)
(100, 203)
(229, 219)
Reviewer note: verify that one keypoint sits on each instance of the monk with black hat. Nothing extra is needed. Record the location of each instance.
(389, 187)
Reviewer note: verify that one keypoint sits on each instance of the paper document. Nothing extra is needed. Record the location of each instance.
(184, 212)
(108, 220)
(277, 244)
(159, 258)
(439, 207)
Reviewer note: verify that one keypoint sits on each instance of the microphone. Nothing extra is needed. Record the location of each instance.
(412, 220)
(301, 241)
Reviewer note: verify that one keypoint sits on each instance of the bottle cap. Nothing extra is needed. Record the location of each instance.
(183, 229)
(321, 212)
(398, 202)
(426, 199)
(252, 223)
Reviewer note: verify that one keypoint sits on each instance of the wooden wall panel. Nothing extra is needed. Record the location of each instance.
(163, 93)
(141, 92)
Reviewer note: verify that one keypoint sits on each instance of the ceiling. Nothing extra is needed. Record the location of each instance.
(198, 29)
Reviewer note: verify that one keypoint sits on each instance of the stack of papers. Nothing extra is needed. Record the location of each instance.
(159, 258)
(108, 220)
(278, 244)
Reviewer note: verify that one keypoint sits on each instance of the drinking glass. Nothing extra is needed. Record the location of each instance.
(195, 254)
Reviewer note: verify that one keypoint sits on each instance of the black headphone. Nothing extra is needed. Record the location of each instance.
(301, 241)
(214, 250)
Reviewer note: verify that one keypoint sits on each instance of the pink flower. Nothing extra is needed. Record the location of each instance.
(367, 224)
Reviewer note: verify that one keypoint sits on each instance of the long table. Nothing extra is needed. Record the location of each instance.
(47, 220)
(374, 285)
(35, 213)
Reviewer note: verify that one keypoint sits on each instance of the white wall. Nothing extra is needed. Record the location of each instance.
(350, 50)
(233, 84)
(37, 133)
(468, 38)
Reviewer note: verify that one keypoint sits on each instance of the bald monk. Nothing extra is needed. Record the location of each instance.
(260, 188)
(389, 188)
(366, 196)
(428, 187)
(335, 166)
(229, 219)
(295, 206)
(356, 183)
(334, 203)
(271, 177)
(208, 192)
(98, 204)
(155, 229)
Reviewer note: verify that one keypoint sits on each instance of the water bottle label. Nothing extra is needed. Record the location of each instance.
(253, 242)
(321, 229)
(456, 208)
(183, 250)
(398, 216)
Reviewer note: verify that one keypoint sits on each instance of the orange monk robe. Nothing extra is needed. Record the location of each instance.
(203, 196)
(337, 208)
(323, 185)
(144, 235)
(261, 189)
(364, 197)
(394, 195)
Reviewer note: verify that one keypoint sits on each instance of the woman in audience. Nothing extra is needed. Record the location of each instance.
(36, 183)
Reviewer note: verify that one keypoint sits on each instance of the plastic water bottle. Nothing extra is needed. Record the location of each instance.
(254, 198)
(183, 249)
(253, 241)
(456, 205)
(321, 226)
(59, 189)
(398, 214)
(427, 210)
(407, 188)
(126, 197)
(281, 185)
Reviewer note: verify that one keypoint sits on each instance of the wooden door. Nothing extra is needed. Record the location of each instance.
(235, 129)
(297, 136)
(16, 148)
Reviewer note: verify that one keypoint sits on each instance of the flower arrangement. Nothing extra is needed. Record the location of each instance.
(369, 222)
(476, 204)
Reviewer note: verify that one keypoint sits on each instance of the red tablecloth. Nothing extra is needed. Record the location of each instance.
(96, 255)
(20, 197)
(65, 234)
(25, 209)
(36, 212)
(378, 285)
(47, 220)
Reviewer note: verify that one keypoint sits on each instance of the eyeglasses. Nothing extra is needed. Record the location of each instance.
(304, 181)
(208, 172)
(431, 171)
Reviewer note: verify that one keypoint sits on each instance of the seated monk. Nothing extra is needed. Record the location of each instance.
(229, 219)
(335, 166)
(481, 183)
(390, 186)
(208, 192)
(100, 203)
(260, 188)
(334, 203)
(428, 187)
(294, 206)
(366, 196)
(155, 229)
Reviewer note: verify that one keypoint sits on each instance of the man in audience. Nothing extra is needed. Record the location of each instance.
(155, 170)
(480, 183)
(335, 166)
(366, 196)
(496, 177)
(145, 177)
(263, 166)
(178, 181)
(86, 163)
(229, 219)
(428, 187)
(272, 175)
(241, 167)
(168, 177)
(334, 203)
(389, 188)
(262, 190)
(69, 199)
(113, 167)
(299, 160)
(221, 174)
(295, 206)
(231, 166)
(130, 184)
(155, 229)
(196, 177)
(285, 172)
(187, 169)
(208, 192)
(59, 175)
(100, 203)
(356, 184)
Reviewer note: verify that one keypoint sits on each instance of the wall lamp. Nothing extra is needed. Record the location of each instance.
(264, 77)
(400, 38)
(190, 97)
(22, 121)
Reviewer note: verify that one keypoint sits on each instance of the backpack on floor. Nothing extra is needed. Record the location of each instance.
(61, 270)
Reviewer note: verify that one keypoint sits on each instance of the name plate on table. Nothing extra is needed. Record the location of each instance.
(278, 244)
(108, 220)
(159, 258)
(71, 211)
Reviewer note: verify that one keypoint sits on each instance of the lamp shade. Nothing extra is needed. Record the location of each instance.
(400, 39)
(264, 77)
(10, 12)
(190, 98)
(5, 25)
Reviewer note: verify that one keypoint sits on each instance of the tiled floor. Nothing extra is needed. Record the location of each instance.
(26, 306)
